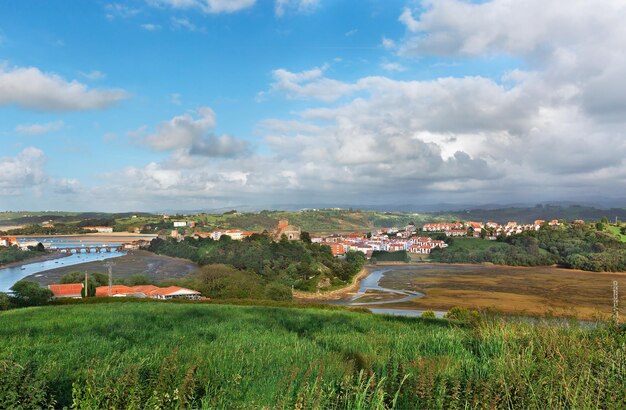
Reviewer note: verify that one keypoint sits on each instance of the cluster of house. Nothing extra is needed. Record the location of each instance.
(99, 229)
(74, 291)
(292, 233)
(390, 240)
(489, 230)
(6, 241)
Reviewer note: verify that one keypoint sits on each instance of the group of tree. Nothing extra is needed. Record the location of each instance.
(299, 264)
(14, 254)
(577, 246)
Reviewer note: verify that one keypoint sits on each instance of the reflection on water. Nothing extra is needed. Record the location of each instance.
(9, 276)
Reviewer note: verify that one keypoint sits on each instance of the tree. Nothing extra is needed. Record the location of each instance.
(98, 279)
(5, 301)
(26, 293)
(305, 237)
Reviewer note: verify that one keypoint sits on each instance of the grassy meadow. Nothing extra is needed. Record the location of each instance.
(132, 355)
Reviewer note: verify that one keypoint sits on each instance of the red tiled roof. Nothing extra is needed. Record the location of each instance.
(67, 289)
(115, 290)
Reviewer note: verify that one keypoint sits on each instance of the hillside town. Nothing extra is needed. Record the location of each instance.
(410, 238)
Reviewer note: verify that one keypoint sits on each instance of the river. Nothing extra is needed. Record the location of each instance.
(371, 283)
(8, 276)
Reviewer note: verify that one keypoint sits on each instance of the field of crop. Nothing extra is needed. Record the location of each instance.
(518, 290)
(166, 355)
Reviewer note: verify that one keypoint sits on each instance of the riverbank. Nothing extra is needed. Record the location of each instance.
(43, 258)
(337, 294)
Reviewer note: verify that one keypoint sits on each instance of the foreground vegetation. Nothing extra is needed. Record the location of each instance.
(147, 354)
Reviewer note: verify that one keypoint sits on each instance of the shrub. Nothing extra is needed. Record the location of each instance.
(429, 314)
(277, 291)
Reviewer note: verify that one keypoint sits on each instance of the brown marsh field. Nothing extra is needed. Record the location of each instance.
(519, 290)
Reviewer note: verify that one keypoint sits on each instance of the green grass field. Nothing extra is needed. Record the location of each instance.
(476, 244)
(167, 355)
(616, 230)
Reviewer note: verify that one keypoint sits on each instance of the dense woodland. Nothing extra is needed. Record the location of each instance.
(578, 246)
(305, 266)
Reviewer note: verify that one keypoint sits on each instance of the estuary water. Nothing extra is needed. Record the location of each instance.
(8, 276)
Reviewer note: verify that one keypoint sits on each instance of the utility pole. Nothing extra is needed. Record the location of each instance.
(86, 283)
(615, 303)
(110, 266)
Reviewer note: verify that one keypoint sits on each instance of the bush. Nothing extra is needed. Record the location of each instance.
(5, 302)
(277, 291)
(462, 314)
(428, 314)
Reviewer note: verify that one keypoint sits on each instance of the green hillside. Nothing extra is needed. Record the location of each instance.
(147, 354)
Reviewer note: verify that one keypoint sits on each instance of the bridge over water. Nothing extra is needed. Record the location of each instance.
(90, 248)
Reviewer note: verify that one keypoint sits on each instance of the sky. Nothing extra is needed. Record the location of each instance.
(149, 105)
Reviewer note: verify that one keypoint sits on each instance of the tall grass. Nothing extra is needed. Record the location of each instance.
(172, 356)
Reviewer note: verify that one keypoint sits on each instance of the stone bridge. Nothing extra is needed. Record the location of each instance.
(91, 248)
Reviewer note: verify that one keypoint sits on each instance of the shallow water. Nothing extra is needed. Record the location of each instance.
(8, 276)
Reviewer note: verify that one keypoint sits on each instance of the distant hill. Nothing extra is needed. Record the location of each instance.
(323, 220)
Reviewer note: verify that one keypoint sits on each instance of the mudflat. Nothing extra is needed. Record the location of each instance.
(520, 290)
(156, 267)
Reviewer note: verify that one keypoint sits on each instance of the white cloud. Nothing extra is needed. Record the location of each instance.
(38, 129)
(310, 84)
(25, 170)
(94, 75)
(183, 23)
(388, 43)
(393, 67)
(207, 6)
(297, 6)
(351, 32)
(118, 10)
(32, 89)
(188, 137)
(151, 27)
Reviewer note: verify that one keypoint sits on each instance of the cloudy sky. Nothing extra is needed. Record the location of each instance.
(200, 104)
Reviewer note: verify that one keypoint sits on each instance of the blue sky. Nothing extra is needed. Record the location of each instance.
(190, 104)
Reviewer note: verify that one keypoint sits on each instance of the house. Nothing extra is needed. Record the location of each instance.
(180, 224)
(396, 247)
(233, 233)
(291, 232)
(99, 229)
(420, 249)
(336, 248)
(554, 222)
(148, 291)
(66, 290)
